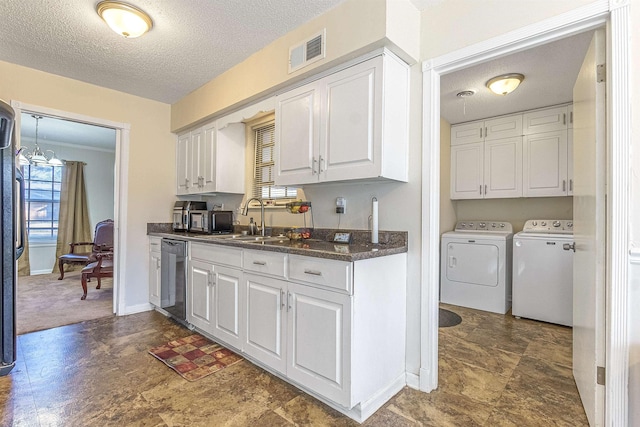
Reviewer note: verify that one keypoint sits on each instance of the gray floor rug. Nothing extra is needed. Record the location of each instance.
(448, 318)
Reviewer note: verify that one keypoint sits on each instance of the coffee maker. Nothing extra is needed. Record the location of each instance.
(181, 211)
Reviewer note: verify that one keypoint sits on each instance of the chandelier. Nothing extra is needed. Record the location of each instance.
(37, 156)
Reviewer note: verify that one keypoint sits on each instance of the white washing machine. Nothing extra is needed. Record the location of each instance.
(475, 265)
(543, 271)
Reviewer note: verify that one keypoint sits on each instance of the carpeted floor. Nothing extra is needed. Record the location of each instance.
(44, 302)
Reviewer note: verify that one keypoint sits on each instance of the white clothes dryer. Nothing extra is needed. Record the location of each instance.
(543, 271)
(475, 265)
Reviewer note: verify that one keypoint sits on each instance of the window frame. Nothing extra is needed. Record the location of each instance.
(54, 221)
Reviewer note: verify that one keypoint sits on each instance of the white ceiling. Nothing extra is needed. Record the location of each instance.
(550, 71)
(192, 41)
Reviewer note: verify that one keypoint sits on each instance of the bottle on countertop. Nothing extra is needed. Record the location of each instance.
(253, 229)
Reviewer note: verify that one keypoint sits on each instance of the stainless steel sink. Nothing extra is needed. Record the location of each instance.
(256, 238)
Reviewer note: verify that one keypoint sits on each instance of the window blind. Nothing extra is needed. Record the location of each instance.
(263, 182)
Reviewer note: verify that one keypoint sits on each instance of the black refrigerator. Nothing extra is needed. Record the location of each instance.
(11, 237)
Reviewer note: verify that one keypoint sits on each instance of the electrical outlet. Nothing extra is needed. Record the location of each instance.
(341, 205)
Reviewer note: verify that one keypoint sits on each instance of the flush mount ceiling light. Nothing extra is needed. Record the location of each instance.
(505, 84)
(126, 20)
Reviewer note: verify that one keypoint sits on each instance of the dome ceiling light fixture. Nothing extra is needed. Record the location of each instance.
(125, 19)
(505, 84)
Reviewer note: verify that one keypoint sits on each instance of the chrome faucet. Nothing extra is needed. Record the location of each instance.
(245, 212)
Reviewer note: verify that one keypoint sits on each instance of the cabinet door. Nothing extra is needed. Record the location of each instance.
(154, 278)
(503, 127)
(570, 161)
(196, 160)
(319, 341)
(547, 120)
(207, 160)
(503, 168)
(297, 135)
(545, 164)
(200, 295)
(351, 137)
(467, 133)
(182, 160)
(226, 305)
(266, 320)
(467, 171)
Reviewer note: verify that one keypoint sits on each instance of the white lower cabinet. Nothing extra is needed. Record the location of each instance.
(319, 341)
(315, 322)
(200, 294)
(266, 315)
(154, 270)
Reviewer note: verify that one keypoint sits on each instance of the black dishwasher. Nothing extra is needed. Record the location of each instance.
(173, 278)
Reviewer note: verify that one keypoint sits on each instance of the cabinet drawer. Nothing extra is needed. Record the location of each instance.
(271, 263)
(217, 254)
(154, 244)
(467, 133)
(547, 120)
(333, 274)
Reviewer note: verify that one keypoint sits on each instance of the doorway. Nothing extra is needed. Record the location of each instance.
(119, 187)
(42, 289)
(618, 142)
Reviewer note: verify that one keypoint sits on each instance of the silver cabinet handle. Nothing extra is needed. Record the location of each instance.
(313, 272)
(259, 263)
(158, 263)
(288, 301)
(569, 246)
(480, 132)
(485, 189)
(564, 185)
(320, 164)
(571, 185)
(571, 117)
(186, 182)
(209, 279)
(313, 166)
(485, 132)
(281, 299)
(481, 189)
(564, 118)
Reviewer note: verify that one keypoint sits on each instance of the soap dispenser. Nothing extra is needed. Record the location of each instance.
(253, 229)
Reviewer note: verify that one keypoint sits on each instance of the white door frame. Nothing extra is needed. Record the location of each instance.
(120, 187)
(615, 14)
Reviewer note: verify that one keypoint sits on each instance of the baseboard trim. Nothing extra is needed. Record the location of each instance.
(413, 381)
(133, 309)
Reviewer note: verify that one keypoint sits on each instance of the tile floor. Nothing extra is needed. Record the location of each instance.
(494, 371)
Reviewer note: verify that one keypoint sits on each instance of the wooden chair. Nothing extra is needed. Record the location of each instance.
(102, 242)
(99, 269)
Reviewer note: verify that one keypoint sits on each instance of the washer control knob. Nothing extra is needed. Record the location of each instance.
(570, 224)
(463, 225)
(482, 225)
(534, 223)
(501, 225)
(556, 223)
(543, 223)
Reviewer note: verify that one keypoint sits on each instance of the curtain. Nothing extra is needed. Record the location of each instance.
(73, 220)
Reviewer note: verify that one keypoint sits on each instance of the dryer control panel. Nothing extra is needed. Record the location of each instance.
(484, 225)
(549, 226)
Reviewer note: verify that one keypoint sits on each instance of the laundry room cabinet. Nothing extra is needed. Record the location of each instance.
(348, 125)
(485, 170)
(528, 154)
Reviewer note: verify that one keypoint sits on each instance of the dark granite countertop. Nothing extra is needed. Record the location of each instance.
(391, 242)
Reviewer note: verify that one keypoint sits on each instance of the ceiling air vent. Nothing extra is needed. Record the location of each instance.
(307, 52)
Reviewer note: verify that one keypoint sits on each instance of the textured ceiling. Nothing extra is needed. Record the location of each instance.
(192, 41)
(550, 71)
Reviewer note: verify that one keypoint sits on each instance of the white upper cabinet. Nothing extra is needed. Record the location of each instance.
(207, 158)
(498, 128)
(467, 174)
(545, 164)
(349, 125)
(503, 168)
(545, 120)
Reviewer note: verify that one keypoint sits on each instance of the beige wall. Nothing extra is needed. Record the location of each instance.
(151, 169)
(353, 28)
(453, 24)
(448, 215)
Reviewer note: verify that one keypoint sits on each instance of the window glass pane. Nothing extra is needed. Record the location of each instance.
(266, 154)
(40, 210)
(41, 173)
(39, 225)
(56, 213)
(36, 233)
(57, 174)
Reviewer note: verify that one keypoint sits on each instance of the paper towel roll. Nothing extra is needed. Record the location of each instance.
(374, 221)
